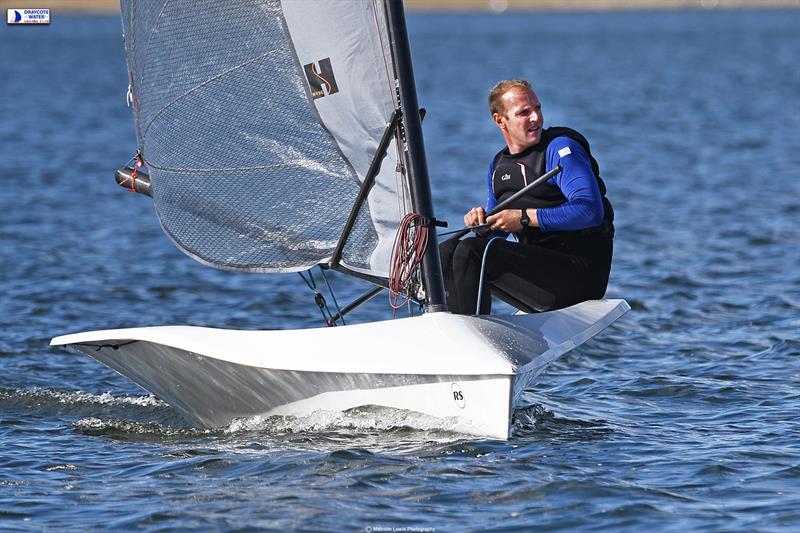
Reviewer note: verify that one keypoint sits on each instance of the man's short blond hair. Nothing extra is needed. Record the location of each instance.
(497, 92)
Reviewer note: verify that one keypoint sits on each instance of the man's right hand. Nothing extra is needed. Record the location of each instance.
(475, 217)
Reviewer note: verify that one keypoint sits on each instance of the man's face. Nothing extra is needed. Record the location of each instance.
(521, 120)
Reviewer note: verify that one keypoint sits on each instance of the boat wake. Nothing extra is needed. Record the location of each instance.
(373, 418)
(524, 421)
(96, 413)
(366, 426)
(366, 419)
(79, 403)
(40, 397)
(373, 423)
(146, 417)
(123, 429)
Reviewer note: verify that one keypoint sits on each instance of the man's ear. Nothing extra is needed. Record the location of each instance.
(498, 119)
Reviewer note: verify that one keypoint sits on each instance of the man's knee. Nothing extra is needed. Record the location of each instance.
(448, 248)
(469, 251)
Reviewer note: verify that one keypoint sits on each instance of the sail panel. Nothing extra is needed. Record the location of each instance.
(347, 53)
(252, 168)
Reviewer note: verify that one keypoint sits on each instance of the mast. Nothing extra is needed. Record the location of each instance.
(414, 152)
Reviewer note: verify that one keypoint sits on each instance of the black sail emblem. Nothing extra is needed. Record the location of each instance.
(320, 78)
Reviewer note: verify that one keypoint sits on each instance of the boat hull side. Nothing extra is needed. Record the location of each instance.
(479, 407)
(214, 376)
(212, 393)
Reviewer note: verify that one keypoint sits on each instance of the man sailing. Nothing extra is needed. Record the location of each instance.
(564, 227)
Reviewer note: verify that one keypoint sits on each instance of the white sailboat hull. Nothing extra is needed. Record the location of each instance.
(444, 365)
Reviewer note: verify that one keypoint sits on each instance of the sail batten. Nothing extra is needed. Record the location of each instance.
(258, 121)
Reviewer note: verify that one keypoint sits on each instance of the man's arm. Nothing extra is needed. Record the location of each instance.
(491, 201)
(584, 206)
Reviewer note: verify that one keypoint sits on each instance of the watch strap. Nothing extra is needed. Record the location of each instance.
(524, 220)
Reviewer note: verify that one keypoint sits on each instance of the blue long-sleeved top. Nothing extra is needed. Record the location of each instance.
(584, 206)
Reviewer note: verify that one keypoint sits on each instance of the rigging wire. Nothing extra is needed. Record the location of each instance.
(380, 35)
(319, 299)
(332, 322)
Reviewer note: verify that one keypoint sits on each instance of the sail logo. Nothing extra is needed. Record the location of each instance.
(28, 16)
(320, 78)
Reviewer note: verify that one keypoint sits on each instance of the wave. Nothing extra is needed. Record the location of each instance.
(366, 418)
(41, 395)
(368, 423)
(135, 430)
(99, 414)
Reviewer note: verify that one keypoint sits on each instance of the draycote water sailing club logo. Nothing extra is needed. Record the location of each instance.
(321, 77)
(28, 16)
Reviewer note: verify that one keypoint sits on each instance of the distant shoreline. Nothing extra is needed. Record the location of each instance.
(112, 6)
(592, 5)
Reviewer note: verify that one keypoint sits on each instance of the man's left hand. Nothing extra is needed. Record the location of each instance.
(508, 220)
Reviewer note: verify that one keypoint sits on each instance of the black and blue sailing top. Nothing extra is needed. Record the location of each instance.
(572, 200)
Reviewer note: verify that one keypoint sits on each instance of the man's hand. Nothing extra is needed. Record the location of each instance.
(508, 220)
(475, 217)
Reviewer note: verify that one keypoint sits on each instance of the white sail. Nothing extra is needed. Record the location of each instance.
(258, 120)
(358, 112)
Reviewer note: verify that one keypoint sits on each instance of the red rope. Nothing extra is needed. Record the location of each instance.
(409, 247)
(137, 163)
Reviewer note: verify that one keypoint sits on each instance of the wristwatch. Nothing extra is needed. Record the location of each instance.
(524, 220)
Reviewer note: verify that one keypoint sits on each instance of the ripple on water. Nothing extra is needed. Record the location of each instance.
(681, 417)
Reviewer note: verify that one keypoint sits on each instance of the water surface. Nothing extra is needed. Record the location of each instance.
(681, 416)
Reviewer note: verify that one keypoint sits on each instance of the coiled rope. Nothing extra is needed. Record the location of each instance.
(409, 248)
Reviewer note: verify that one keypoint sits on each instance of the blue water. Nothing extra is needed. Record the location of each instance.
(682, 416)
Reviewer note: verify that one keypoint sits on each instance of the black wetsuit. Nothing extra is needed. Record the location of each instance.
(565, 261)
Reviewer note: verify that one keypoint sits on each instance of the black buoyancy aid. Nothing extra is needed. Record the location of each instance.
(510, 173)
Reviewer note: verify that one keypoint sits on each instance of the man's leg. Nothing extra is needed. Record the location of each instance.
(467, 274)
(461, 263)
(446, 250)
(542, 278)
